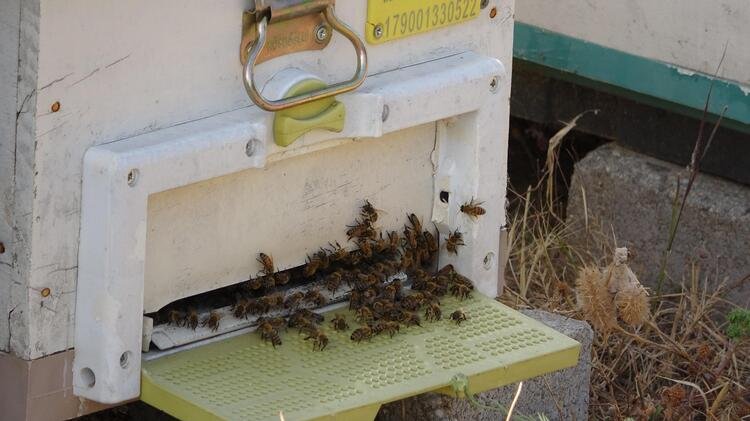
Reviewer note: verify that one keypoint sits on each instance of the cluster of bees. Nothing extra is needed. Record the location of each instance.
(379, 301)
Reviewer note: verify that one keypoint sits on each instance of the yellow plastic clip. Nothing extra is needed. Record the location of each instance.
(326, 113)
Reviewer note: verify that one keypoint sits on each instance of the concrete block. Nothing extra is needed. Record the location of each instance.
(563, 395)
(631, 195)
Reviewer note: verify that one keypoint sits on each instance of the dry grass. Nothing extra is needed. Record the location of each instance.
(678, 364)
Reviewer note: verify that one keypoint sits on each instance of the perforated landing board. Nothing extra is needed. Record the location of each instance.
(243, 378)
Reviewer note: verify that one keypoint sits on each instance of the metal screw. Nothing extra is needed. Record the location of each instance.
(132, 177)
(494, 84)
(489, 259)
(378, 31)
(251, 147)
(321, 33)
(386, 111)
(55, 107)
(46, 292)
(484, 3)
(493, 12)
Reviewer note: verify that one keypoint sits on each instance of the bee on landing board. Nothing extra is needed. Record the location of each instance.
(315, 297)
(391, 328)
(458, 316)
(455, 240)
(212, 321)
(293, 300)
(333, 281)
(361, 334)
(320, 340)
(176, 318)
(473, 209)
(339, 323)
(191, 319)
(433, 312)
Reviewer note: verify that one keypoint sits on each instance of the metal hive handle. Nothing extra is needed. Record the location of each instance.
(338, 88)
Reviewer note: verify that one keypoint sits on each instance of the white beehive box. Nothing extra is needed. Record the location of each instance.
(137, 171)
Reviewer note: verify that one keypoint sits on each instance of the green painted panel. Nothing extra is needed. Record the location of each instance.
(622, 71)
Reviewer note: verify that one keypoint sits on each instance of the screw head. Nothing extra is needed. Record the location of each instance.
(132, 177)
(55, 107)
(386, 111)
(489, 260)
(321, 33)
(251, 147)
(378, 31)
(45, 292)
(494, 83)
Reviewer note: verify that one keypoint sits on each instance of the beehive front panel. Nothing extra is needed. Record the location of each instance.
(207, 235)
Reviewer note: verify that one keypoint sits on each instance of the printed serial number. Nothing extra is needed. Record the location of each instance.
(420, 17)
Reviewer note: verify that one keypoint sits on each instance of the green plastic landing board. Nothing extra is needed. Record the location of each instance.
(243, 378)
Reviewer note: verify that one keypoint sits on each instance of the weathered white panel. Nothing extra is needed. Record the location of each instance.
(688, 33)
(10, 13)
(126, 68)
(288, 210)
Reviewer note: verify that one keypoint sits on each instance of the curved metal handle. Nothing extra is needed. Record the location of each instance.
(339, 88)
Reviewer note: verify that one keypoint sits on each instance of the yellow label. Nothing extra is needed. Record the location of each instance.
(392, 19)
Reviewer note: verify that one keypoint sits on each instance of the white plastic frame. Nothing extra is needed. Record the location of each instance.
(456, 91)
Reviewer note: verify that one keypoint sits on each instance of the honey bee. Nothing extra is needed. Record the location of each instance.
(410, 238)
(267, 262)
(320, 340)
(276, 322)
(339, 323)
(411, 302)
(460, 290)
(241, 308)
(323, 258)
(312, 266)
(389, 327)
(268, 281)
(473, 209)
(304, 318)
(382, 306)
(455, 239)
(458, 316)
(365, 249)
(293, 300)
(269, 333)
(338, 253)
(364, 315)
(333, 281)
(212, 321)
(315, 297)
(369, 212)
(359, 335)
(268, 303)
(393, 289)
(430, 241)
(360, 229)
(355, 300)
(433, 312)
(410, 319)
(393, 241)
(447, 270)
(415, 223)
(176, 318)
(191, 319)
(281, 278)
(407, 261)
(255, 284)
